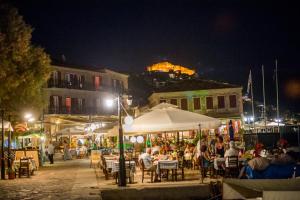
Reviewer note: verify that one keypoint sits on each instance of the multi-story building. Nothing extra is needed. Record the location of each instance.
(77, 94)
(215, 99)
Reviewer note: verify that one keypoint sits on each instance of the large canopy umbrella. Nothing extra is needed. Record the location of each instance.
(168, 118)
(76, 130)
(6, 124)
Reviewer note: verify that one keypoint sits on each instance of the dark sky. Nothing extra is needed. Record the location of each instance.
(221, 40)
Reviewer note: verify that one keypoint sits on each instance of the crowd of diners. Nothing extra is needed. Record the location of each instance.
(208, 149)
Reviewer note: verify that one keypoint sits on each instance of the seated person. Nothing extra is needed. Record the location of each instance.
(283, 159)
(220, 147)
(147, 160)
(230, 152)
(259, 163)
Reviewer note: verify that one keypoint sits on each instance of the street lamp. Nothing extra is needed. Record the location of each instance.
(122, 170)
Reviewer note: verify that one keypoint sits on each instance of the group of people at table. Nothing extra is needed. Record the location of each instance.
(213, 156)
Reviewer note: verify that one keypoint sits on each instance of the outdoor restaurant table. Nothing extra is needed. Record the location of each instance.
(128, 164)
(166, 164)
(219, 161)
(32, 165)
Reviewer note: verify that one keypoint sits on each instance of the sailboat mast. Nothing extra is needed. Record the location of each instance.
(264, 95)
(252, 101)
(277, 100)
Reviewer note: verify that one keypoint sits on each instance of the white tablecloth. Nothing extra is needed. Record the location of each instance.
(167, 164)
(109, 163)
(128, 164)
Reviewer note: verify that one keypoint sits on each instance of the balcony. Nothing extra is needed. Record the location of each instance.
(80, 86)
(82, 111)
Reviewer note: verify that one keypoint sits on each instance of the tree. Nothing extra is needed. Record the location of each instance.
(24, 68)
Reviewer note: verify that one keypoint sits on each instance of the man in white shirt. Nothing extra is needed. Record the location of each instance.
(230, 152)
(50, 152)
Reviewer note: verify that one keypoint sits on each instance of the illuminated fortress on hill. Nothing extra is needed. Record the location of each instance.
(169, 67)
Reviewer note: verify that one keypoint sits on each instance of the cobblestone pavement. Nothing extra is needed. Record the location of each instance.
(72, 179)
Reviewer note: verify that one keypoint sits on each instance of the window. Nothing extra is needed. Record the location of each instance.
(162, 101)
(197, 105)
(209, 103)
(69, 79)
(81, 81)
(97, 82)
(221, 102)
(54, 104)
(80, 105)
(232, 101)
(68, 104)
(183, 103)
(173, 101)
(55, 78)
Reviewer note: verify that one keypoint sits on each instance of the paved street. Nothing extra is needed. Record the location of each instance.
(64, 180)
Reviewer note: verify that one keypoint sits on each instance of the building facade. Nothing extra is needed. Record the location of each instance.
(80, 91)
(211, 98)
(77, 95)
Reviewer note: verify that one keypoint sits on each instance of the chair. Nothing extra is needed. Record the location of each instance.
(143, 169)
(180, 168)
(24, 167)
(129, 174)
(204, 169)
(105, 170)
(95, 160)
(232, 169)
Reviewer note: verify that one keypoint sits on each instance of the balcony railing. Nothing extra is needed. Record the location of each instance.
(81, 86)
(81, 111)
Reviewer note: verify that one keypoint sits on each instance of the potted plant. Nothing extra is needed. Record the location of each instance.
(11, 173)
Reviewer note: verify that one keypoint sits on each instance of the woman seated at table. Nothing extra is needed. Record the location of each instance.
(220, 150)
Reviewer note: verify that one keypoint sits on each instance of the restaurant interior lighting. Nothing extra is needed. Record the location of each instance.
(31, 119)
(27, 115)
(140, 139)
(133, 139)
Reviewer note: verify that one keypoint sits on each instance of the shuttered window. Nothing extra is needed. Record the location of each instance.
(197, 105)
(183, 104)
(173, 101)
(232, 101)
(221, 102)
(209, 103)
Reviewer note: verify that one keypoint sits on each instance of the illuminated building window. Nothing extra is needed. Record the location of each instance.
(68, 104)
(173, 101)
(97, 81)
(221, 102)
(184, 104)
(209, 103)
(197, 105)
(232, 101)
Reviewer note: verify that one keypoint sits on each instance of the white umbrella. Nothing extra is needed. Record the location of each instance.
(72, 131)
(171, 119)
(6, 124)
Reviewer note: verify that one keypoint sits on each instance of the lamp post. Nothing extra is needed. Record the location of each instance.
(2, 147)
(122, 170)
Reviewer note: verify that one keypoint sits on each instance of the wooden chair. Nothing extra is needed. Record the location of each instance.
(143, 169)
(35, 156)
(24, 167)
(204, 169)
(95, 160)
(180, 168)
(19, 155)
(232, 169)
(106, 172)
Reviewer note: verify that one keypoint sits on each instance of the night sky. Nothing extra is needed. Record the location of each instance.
(221, 40)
